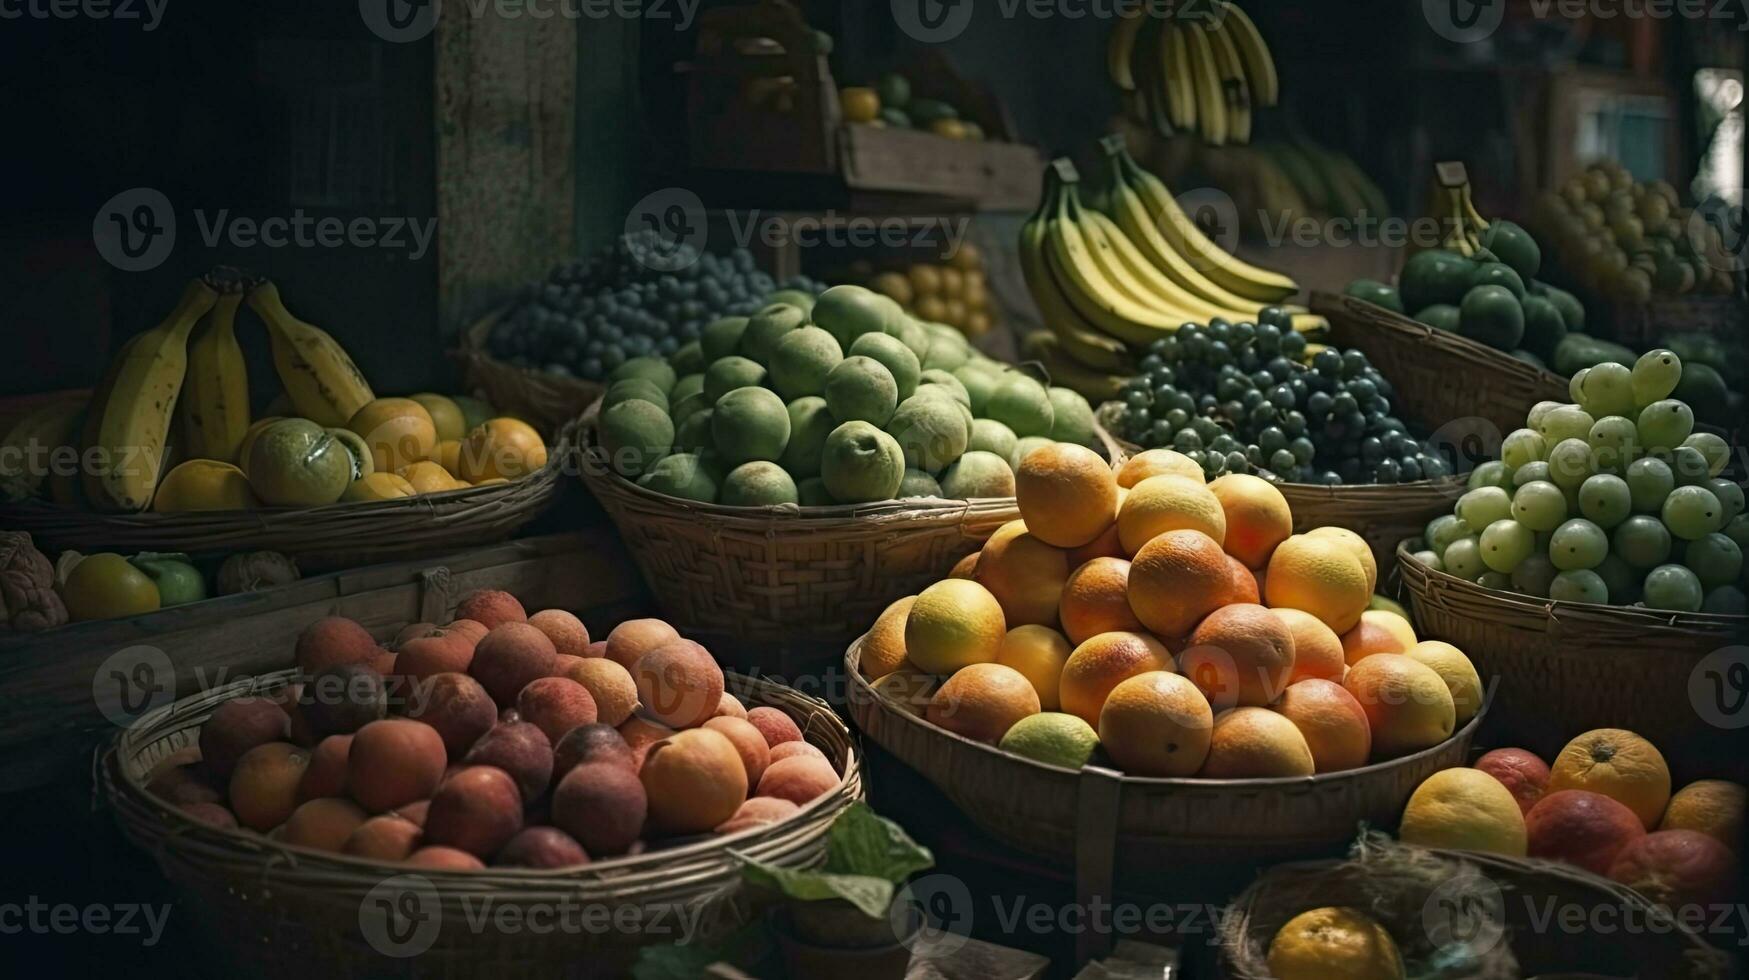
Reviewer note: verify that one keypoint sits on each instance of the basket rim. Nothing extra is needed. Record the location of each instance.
(860, 687)
(1326, 302)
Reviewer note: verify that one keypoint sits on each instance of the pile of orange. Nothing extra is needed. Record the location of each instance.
(1178, 628)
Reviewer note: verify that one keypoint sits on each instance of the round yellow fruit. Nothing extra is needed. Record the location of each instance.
(1620, 765)
(1038, 653)
(250, 435)
(1456, 670)
(503, 447)
(1158, 462)
(107, 586)
(1358, 546)
(1466, 810)
(1066, 493)
(1393, 624)
(883, 649)
(860, 105)
(1319, 575)
(1407, 703)
(428, 477)
(1258, 517)
(204, 485)
(363, 462)
(448, 455)
(953, 624)
(1169, 503)
(1711, 806)
(1331, 943)
(1156, 724)
(398, 432)
(445, 414)
(378, 486)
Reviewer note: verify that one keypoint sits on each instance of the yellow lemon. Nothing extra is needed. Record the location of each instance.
(1334, 942)
(250, 435)
(428, 477)
(1458, 673)
(107, 586)
(502, 447)
(398, 431)
(1466, 810)
(378, 486)
(953, 624)
(201, 485)
(1038, 653)
(445, 414)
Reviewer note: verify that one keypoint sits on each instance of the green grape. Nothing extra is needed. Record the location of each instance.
(1505, 544)
(1651, 481)
(1608, 389)
(1612, 441)
(1716, 450)
(1621, 579)
(1578, 544)
(1533, 575)
(1656, 374)
(1715, 560)
(1579, 585)
(1605, 500)
(1530, 473)
(1726, 600)
(1493, 473)
(1498, 581)
(1566, 422)
(1571, 463)
(1673, 587)
(1483, 506)
(1576, 386)
(1664, 424)
(1641, 541)
(1538, 411)
(1692, 513)
(1539, 506)
(1442, 531)
(1464, 559)
(1738, 531)
(1521, 447)
(1688, 466)
(1430, 559)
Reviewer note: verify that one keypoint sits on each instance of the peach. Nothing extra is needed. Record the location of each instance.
(413, 812)
(184, 785)
(641, 733)
(341, 700)
(570, 637)
(679, 684)
(592, 743)
(212, 814)
(542, 847)
(774, 725)
(799, 779)
(324, 823)
(412, 631)
(332, 642)
(385, 837)
(789, 750)
(473, 629)
(755, 754)
(636, 637)
(1678, 868)
(457, 707)
(326, 774)
(520, 749)
(444, 859)
(264, 784)
(491, 608)
(757, 812)
(597, 648)
(601, 804)
(694, 781)
(510, 658)
(441, 651)
(383, 665)
(730, 706)
(556, 705)
(1581, 827)
(612, 687)
(477, 810)
(1522, 773)
(394, 762)
(237, 726)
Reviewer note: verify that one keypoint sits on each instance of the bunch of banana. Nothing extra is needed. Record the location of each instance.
(214, 411)
(26, 447)
(1451, 205)
(320, 378)
(1203, 67)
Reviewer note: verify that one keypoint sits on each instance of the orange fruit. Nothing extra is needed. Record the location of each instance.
(1466, 810)
(1331, 720)
(883, 649)
(982, 702)
(860, 105)
(445, 414)
(1256, 743)
(1317, 650)
(1168, 503)
(448, 455)
(953, 624)
(966, 567)
(378, 486)
(1407, 705)
(1239, 655)
(1038, 653)
(1458, 673)
(1711, 806)
(1320, 575)
(1026, 576)
(1177, 579)
(1620, 765)
(399, 432)
(1107, 545)
(1066, 493)
(1102, 663)
(1245, 588)
(1258, 517)
(1157, 462)
(1393, 622)
(108, 586)
(1369, 637)
(1334, 942)
(204, 484)
(501, 447)
(1096, 599)
(1358, 546)
(1156, 724)
(428, 477)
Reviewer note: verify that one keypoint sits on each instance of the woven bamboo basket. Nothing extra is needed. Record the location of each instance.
(546, 401)
(799, 576)
(342, 535)
(1423, 896)
(1440, 378)
(1165, 825)
(1567, 667)
(281, 911)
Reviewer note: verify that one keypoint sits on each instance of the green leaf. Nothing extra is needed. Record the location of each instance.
(864, 843)
(870, 894)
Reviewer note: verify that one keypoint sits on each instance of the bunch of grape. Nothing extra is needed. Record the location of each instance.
(1612, 499)
(1238, 398)
(640, 297)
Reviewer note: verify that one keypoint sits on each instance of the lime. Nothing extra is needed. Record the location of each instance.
(1605, 500)
(1442, 531)
(1656, 375)
(1053, 738)
(1692, 513)
(1673, 587)
(1493, 473)
(1608, 390)
(1665, 424)
(1715, 560)
(1571, 463)
(1539, 506)
(1579, 586)
(1566, 422)
(1463, 558)
(1716, 450)
(1650, 481)
(1483, 506)
(106, 586)
(1533, 576)
(1522, 447)
(1578, 544)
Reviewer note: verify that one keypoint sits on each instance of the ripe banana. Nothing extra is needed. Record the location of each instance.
(25, 451)
(1091, 293)
(1047, 349)
(128, 431)
(1259, 63)
(1120, 50)
(1174, 55)
(215, 399)
(324, 384)
(1234, 89)
(1089, 347)
(1204, 70)
(1211, 104)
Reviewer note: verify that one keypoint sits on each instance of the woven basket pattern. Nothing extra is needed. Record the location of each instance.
(546, 401)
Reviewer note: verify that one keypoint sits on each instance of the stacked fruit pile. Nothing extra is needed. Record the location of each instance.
(501, 738)
(1241, 398)
(1201, 68)
(890, 104)
(957, 293)
(1614, 499)
(1124, 615)
(1273, 183)
(840, 400)
(1605, 805)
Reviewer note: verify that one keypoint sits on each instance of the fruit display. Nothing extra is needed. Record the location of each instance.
(112, 586)
(1201, 68)
(841, 398)
(1168, 627)
(1274, 183)
(955, 292)
(1257, 398)
(890, 103)
(1611, 499)
(643, 297)
(502, 739)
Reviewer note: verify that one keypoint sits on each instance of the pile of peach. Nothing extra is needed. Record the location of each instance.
(502, 739)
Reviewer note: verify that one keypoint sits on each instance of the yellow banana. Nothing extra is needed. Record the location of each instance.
(1106, 238)
(1234, 88)
(215, 398)
(1211, 107)
(1087, 346)
(1047, 349)
(1094, 296)
(1259, 63)
(324, 384)
(1180, 95)
(1120, 50)
(27, 449)
(131, 432)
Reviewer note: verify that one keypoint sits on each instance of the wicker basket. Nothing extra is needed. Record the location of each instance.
(1156, 824)
(343, 535)
(1405, 888)
(792, 576)
(1440, 378)
(546, 401)
(275, 910)
(1567, 667)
